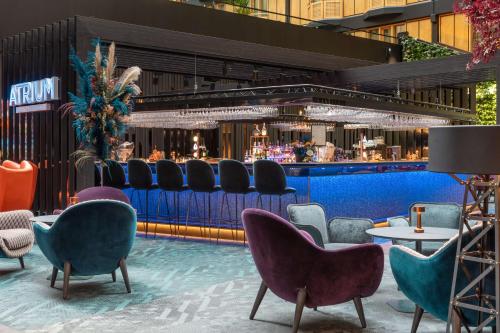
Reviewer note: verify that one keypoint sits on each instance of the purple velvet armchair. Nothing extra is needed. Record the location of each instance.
(298, 271)
(99, 192)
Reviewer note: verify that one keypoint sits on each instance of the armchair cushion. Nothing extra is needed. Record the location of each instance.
(441, 215)
(15, 239)
(350, 230)
(309, 214)
(16, 219)
(314, 233)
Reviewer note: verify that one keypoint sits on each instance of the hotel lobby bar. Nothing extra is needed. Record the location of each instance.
(207, 166)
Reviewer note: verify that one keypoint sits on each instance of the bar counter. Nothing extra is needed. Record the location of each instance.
(374, 190)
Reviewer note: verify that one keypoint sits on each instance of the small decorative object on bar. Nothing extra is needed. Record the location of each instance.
(475, 291)
(103, 106)
(156, 155)
(124, 151)
(263, 132)
(256, 131)
(73, 200)
(304, 152)
(419, 210)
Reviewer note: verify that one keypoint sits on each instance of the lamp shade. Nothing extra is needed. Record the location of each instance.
(465, 149)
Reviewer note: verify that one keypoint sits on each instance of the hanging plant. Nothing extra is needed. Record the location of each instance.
(103, 105)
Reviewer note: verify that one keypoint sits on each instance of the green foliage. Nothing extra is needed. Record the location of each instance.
(414, 50)
(486, 103)
(241, 6)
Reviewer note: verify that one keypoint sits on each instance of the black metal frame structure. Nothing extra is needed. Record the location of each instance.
(296, 95)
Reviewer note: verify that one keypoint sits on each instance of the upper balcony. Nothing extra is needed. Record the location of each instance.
(332, 9)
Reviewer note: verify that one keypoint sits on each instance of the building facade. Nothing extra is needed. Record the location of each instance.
(428, 20)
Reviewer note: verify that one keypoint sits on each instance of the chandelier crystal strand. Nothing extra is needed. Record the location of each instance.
(373, 119)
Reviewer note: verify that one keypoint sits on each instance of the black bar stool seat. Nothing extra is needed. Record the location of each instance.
(201, 179)
(170, 180)
(270, 179)
(114, 175)
(234, 180)
(141, 179)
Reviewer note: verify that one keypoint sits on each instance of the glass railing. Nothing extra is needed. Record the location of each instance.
(325, 9)
(372, 4)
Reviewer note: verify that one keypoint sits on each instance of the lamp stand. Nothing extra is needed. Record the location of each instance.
(483, 189)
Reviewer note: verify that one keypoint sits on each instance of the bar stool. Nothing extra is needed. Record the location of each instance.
(200, 179)
(114, 175)
(170, 180)
(141, 179)
(234, 179)
(270, 179)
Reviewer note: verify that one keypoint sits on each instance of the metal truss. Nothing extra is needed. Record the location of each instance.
(321, 93)
(485, 190)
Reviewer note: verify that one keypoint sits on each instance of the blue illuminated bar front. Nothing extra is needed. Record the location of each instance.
(372, 190)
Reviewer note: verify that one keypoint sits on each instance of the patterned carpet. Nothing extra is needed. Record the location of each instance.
(177, 286)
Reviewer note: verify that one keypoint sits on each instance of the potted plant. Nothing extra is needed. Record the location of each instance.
(103, 106)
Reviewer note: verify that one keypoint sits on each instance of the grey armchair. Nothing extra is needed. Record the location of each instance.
(337, 233)
(439, 215)
(16, 234)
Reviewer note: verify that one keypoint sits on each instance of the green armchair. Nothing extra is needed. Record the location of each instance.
(426, 280)
(89, 238)
(337, 233)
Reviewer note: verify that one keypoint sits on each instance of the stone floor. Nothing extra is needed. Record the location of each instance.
(178, 286)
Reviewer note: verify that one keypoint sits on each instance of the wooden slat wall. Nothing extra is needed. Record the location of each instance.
(168, 140)
(46, 138)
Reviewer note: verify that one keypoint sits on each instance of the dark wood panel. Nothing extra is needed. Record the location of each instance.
(42, 137)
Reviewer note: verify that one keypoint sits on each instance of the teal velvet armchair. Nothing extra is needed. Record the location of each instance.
(337, 233)
(426, 280)
(89, 238)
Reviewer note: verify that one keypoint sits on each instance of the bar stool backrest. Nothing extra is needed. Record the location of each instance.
(234, 176)
(169, 175)
(200, 176)
(114, 175)
(269, 177)
(139, 174)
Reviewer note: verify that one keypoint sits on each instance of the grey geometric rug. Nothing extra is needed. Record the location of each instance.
(180, 286)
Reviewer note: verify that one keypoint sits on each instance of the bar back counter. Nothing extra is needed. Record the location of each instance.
(372, 190)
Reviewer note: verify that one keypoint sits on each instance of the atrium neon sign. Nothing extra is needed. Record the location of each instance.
(34, 92)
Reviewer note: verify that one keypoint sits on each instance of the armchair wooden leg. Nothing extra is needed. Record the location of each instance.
(113, 276)
(67, 272)
(299, 306)
(123, 268)
(416, 318)
(21, 261)
(359, 309)
(258, 299)
(53, 277)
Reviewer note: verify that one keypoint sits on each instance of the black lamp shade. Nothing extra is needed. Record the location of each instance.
(465, 149)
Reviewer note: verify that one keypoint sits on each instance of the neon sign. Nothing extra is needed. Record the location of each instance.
(34, 92)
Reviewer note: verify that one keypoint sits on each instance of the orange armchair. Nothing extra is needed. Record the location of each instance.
(17, 185)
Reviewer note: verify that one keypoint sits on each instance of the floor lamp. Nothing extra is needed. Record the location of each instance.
(474, 151)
